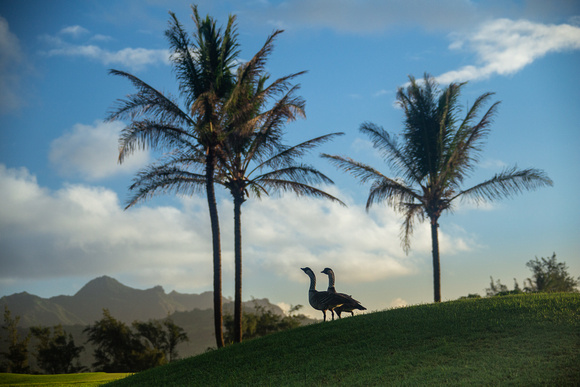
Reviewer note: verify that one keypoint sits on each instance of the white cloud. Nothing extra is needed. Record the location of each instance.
(91, 152)
(82, 230)
(11, 59)
(134, 58)
(381, 92)
(74, 31)
(504, 47)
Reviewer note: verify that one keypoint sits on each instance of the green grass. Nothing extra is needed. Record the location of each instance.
(82, 380)
(512, 340)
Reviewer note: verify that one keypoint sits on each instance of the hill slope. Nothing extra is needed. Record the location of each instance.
(522, 340)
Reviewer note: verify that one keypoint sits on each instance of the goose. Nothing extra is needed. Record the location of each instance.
(322, 300)
(350, 303)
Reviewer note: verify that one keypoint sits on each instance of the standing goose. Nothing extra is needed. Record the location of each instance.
(322, 300)
(350, 303)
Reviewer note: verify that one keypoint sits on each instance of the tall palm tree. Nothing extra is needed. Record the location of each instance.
(252, 157)
(203, 67)
(440, 149)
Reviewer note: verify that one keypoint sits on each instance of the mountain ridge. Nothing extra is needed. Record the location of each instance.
(125, 303)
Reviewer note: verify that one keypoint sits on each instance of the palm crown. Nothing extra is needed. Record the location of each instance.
(440, 149)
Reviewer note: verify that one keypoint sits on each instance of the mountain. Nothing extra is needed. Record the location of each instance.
(192, 312)
(125, 304)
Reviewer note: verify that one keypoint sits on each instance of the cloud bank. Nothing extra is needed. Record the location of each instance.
(82, 230)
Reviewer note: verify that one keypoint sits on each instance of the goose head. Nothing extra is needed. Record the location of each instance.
(307, 270)
(327, 270)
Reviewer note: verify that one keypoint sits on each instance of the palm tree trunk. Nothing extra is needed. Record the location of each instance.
(217, 263)
(238, 200)
(436, 263)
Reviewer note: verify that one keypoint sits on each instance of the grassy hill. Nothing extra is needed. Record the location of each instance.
(521, 340)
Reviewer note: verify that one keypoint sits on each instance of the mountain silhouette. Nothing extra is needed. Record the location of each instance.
(123, 302)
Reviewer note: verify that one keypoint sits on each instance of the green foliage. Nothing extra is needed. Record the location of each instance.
(16, 359)
(57, 352)
(262, 322)
(119, 349)
(470, 295)
(163, 336)
(526, 339)
(499, 289)
(548, 275)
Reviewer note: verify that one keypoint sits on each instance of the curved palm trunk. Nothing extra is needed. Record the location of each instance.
(217, 264)
(436, 263)
(238, 200)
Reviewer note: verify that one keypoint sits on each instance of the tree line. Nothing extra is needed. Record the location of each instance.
(120, 347)
(548, 275)
(227, 128)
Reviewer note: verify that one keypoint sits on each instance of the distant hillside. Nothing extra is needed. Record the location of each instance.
(85, 307)
(192, 312)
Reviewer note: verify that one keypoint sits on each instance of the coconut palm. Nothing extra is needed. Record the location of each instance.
(252, 158)
(203, 67)
(256, 163)
(439, 151)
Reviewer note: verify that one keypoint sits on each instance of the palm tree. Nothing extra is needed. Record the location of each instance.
(439, 150)
(203, 68)
(252, 157)
(254, 160)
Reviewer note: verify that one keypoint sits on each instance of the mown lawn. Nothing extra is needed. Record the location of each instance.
(512, 340)
(82, 380)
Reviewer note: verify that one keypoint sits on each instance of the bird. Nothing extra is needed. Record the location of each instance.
(325, 300)
(350, 303)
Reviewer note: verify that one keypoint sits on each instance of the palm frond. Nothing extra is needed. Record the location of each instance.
(287, 155)
(158, 180)
(255, 66)
(462, 153)
(390, 151)
(151, 134)
(362, 172)
(507, 183)
(184, 59)
(147, 102)
(300, 189)
(410, 212)
(394, 192)
(300, 173)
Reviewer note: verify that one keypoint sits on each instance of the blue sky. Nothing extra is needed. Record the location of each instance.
(61, 216)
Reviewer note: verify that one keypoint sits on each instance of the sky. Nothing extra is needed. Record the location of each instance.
(62, 217)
